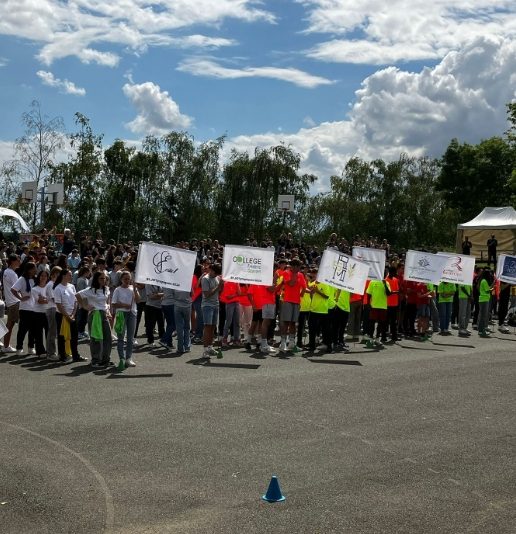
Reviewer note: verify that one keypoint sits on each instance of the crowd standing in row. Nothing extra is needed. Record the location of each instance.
(86, 291)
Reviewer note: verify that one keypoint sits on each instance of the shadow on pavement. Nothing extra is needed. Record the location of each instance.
(341, 362)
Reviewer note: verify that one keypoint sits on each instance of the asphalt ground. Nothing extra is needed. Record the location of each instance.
(415, 438)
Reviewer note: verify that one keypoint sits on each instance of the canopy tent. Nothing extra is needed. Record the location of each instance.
(6, 212)
(500, 222)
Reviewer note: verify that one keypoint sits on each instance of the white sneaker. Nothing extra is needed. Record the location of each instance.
(20, 351)
(504, 330)
(130, 363)
(53, 357)
(135, 343)
(283, 346)
(32, 351)
(8, 349)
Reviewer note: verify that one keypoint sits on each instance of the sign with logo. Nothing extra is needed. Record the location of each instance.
(459, 269)
(160, 265)
(424, 267)
(506, 269)
(342, 271)
(248, 265)
(375, 258)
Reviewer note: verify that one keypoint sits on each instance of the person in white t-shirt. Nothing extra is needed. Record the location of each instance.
(11, 302)
(124, 301)
(96, 300)
(40, 306)
(66, 304)
(51, 316)
(22, 290)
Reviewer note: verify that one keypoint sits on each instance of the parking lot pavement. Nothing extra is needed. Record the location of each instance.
(414, 438)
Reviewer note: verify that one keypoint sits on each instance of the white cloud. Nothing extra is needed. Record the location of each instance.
(65, 86)
(211, 69)
(157, 112)
(379, 32)
(395, 111)
(76, 27)
(3, 61)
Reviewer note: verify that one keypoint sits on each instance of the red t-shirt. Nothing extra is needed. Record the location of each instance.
(393, 299)
(365, 297)
(261, 296)
(410, 290)
(293, 293)
(196, 290)
(421, 292)
(355, 297)
(230, 288)
(243, 298)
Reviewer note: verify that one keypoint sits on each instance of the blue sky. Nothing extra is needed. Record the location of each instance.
(333, 78)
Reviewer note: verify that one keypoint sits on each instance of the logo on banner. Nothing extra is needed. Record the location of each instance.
(251, 263)
(509, 268)
(340, 267)
(160, 261)
(423, 263)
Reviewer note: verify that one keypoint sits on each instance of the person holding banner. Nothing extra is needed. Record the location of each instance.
(318, 320)
(212, 285)
(393, 301)
(465, 299)
(153, 313)
(231, 294)
(293, 284)
(445, 291)
(378, 290)
(484, 299)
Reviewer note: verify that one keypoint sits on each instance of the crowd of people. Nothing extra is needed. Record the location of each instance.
(62, 292)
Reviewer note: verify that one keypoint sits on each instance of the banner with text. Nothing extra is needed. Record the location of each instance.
(375, 258)
(424, 267)
(161, 265)
(459, 269)
(248, 265)
(506, 269)
(343, 272)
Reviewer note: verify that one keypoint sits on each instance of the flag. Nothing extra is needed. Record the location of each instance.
(506, 269)
(248, 265)
(424, 267)
(375, 258)
(164, 266)
(342, 271)
(459, 269)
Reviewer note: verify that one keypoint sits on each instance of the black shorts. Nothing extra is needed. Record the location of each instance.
(257, 316)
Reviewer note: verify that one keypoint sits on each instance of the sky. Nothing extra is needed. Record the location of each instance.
(332, 78)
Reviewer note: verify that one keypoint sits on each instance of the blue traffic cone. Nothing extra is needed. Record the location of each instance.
(273, 493)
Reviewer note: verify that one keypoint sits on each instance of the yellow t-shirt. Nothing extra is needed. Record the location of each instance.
(378, 294)
(306, 300)
(320, 304)
(343, 300)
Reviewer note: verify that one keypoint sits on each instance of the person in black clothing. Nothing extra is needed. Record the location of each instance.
(466, 246)
(491, 250)
(68, 242)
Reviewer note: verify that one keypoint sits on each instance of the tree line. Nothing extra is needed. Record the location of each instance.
(172, 188)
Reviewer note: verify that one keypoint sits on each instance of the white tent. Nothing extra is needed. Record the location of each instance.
(6, 212)
(500, 222)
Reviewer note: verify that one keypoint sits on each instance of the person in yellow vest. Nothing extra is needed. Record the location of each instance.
(378, 290)
(318, 319)
(341, 316)
(485, 288)
(465, 300)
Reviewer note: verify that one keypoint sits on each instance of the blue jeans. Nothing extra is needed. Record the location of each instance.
(129, 329)
(168, 312)
(232, 320)
(445, 311)
(198, 314)
(182, 315)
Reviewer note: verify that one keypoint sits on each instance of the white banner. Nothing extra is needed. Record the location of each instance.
(375, 258)
(424, 267)
(506, 269)
(342, 271)
(459, 269)
(160, 265)
(3, 329)
(248, 265)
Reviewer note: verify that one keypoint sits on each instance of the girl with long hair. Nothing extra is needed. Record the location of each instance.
(95, 299)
